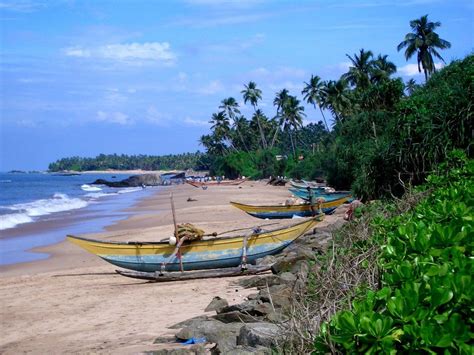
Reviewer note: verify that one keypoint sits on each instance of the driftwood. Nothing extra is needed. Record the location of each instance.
(198, 274)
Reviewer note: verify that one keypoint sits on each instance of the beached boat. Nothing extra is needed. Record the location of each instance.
(305, 184)
(214, 253)
(328, 196)
(289, 211)
(215, 182)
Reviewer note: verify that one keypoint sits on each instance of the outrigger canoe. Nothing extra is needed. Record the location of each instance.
(288, 211)
(306, 184)
(328, 196)
(215, 253)
(215, 183)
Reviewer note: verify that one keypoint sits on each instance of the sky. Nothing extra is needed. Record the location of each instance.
(80, 78)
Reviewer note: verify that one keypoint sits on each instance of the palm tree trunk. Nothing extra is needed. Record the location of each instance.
(324, 117)
(274, 137)
(292, 143)
(262, 135)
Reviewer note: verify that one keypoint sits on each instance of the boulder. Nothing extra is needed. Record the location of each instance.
(213, 330)
(132, 181)
(217, 304)
(235, 317)
(245, 350)
(258, 334)
(197, 349)
(266, 260)
(279, 295)
(259, 281)
(244, 307)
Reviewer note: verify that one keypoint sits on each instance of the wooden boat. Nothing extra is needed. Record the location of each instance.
(328, 196)
(288, 211)
(215, 182)
(214, 253)
(197, 274)
(304, 184)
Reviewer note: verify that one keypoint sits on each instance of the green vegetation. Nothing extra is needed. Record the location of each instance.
(386, 135)
(196, 161)
(422, 300)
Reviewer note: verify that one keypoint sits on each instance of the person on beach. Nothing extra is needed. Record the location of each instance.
(312, 201)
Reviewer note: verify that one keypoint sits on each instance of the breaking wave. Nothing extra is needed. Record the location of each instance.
(25, 212)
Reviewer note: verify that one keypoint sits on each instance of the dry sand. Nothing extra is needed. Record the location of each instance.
(74, 302)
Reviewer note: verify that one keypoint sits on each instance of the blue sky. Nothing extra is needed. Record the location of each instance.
(80, 78)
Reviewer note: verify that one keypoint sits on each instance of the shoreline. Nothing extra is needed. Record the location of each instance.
(74, 302)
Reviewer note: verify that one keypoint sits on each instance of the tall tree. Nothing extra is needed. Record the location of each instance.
(252, 94)
(335, 97)
(359, 73)
(382, 69)
(424, 42)
(411, 86)
(312, 94)
(280, 98)
(231, 108)
(292, 118)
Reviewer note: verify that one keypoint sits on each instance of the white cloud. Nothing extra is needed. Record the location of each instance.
(212, 88)
(412, 69)
(128, 52)
(196, 123)
(113, 117)
(21, 5)
(155, 117)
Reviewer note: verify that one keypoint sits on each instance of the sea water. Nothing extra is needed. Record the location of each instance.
(39, 209)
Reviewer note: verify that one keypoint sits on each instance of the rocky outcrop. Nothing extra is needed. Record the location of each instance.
(256, 325)
(132, 181)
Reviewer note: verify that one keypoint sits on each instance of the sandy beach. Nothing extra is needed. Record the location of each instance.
(74, 302)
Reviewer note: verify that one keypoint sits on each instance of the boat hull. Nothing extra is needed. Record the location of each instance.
(328, 196)
(197, 255)
(290, 211)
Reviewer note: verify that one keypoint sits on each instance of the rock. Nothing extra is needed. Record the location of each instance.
(197, 349)
(217, 304)
(279, 295)
(132, 181)
(266, 260)
(252, 296)
(276, 317)
(288, 278)
(189, 322)
(164, 340)
(244, 307)
(264, 308)
(213, 330)
(235, 316)
(259, 281)
(246, 350)
(286, 263)
(255, 334)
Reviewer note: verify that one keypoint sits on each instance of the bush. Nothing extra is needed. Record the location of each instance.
(426, 266)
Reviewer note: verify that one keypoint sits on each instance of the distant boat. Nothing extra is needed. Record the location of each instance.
(215, 182)
(289, 211)
(212, 253)
(305, 184)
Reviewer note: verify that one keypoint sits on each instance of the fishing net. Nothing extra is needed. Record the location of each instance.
(190, 232)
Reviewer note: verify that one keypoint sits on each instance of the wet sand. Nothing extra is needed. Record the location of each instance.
(73, 302)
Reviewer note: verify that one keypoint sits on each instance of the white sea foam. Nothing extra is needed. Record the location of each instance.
(23, 212)
(86, 187)
(95, 195)
(129, 189)
(13, 219)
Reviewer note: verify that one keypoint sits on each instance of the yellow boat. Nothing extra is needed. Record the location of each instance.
(211, 253)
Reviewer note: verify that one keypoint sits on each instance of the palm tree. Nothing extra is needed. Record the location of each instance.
(312, 94)
(335, 97)
(411, 86)
(382, 69)
(292, 118)
(359, 73)
(231, 109)
(280, 99)
(424, 41)
(221, 128)
(252, 94)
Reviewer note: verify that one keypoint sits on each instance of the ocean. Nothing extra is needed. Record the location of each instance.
(38, 209)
